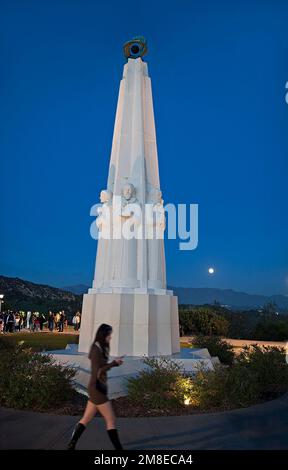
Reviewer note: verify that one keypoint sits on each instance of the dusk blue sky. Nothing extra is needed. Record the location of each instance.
(218, 71)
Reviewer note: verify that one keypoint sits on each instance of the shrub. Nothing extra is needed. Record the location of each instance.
(6, 344)
(222, 389)
(216, 347)
(268, 366)
(270, 329)
(202, 320)
(242, 324)
(163, 385)
(258, 374)
(33, 381)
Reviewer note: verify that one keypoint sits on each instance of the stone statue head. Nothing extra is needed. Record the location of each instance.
(105, 196)
(128, 191)
(155, 196)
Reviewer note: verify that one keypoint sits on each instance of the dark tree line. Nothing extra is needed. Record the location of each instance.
(265, 324)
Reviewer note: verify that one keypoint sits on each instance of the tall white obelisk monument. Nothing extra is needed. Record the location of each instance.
(129, 288)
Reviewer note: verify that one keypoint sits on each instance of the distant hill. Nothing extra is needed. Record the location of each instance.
(199, 296)
(26, 295)
(79, 289)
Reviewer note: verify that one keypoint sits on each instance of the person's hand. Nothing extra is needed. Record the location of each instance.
(119, 361)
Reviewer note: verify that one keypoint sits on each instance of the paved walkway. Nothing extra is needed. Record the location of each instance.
(259, 427)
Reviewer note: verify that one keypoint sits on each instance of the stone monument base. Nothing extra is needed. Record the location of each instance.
(144, 324)
(190, 359)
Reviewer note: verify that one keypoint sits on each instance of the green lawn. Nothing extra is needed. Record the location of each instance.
(50, 341)
(185, 344)
(42, 341)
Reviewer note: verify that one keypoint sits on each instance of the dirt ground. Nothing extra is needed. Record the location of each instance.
(240, 343)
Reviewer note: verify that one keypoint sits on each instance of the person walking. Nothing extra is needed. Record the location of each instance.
(28, 318)
(10, 322)
(61, 322)
(36, 323)
(22, 319)
(51, 321)
(42, 320)
(17, 322)
(97, 388)
(31, 322)
(56, 321)
(1, 322)
(5, 324)
(76, 321)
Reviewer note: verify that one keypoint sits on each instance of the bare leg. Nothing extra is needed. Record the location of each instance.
(107, 412)
(89, 413)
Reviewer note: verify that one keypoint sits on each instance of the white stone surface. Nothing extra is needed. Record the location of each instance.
(143, 324)
(134, 179)
(191, 360)
(129, 288)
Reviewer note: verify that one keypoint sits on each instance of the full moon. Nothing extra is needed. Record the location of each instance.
(211, 270)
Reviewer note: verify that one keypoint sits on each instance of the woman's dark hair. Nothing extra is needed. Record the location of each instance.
(103, 331)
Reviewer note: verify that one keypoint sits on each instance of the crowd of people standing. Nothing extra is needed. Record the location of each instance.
(11, 321)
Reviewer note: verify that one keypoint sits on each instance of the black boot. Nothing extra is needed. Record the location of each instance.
(78, 430)
(113, 434)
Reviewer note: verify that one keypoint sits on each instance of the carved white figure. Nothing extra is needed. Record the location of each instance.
(159, 219)
(128, 194)
(106, 196)
(104, 224)
(124, 259)
(130, 212)
(155, 228)
(103, 220)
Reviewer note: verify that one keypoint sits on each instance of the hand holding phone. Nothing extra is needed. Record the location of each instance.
(119, 360)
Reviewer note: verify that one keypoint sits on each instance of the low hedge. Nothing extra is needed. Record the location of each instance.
(33, 381)
(256, 375)
(216, 347)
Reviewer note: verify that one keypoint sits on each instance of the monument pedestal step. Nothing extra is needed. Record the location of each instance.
(190, 359)
(143, 324)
